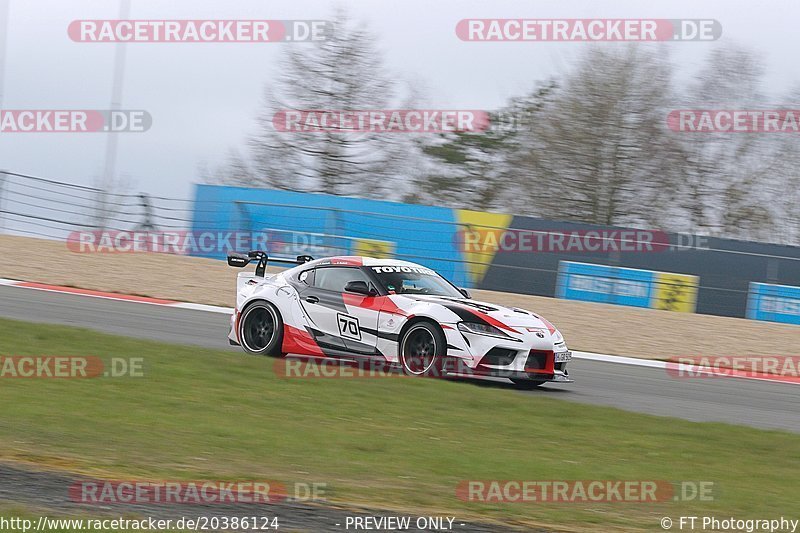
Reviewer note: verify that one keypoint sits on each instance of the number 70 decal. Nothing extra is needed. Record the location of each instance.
(348, 326)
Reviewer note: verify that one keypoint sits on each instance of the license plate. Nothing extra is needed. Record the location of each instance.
(563, 357)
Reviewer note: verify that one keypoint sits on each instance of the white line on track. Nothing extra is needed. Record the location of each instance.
(203, 307)
(680, 369)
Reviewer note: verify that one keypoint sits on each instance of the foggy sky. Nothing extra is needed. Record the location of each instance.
(203, 96)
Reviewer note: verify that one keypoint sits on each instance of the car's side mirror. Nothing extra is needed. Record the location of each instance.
(359, 287)
(238, 260)
(465, 292)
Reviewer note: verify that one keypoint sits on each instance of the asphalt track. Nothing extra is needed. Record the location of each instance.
(47, 492)
(759, 404)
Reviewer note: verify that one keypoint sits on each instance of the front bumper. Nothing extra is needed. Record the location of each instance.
(536, 365)
(528, 356)
(559, 376)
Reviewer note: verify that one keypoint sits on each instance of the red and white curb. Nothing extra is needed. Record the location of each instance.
(672, 367)
(115, 296)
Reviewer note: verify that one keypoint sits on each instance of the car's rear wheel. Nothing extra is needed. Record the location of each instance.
(528, 384)
(261, 329)
(422, 350)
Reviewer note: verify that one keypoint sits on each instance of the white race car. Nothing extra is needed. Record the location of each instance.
(390, 312)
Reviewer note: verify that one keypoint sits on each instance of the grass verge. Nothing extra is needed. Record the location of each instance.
(395, 443)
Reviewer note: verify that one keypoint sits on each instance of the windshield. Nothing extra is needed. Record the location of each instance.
(414, 280)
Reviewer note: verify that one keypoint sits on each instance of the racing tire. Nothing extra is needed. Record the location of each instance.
(527, 384)
(261, 329)
(422, 349)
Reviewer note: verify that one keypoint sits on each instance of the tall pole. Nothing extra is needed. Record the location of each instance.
(4, 8)
(110, 166)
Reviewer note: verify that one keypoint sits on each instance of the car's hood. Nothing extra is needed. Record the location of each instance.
(513, 317)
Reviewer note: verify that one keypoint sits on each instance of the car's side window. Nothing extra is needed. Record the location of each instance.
(335, 278)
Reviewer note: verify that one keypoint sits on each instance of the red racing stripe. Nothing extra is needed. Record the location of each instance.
(349, 260)
(383, 304)
(87, 292)
(550, 327)
(298, 341)
(493, 321)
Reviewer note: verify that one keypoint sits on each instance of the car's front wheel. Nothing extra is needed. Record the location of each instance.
(261, 329)
(422, 349)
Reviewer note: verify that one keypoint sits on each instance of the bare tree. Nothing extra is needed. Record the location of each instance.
(597, 150)
(470, 169)
(592, 145)
(726, 177)
(784, 187)
(235, 171)
(343, 72)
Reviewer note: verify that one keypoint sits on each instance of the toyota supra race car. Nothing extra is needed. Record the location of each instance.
(390, 312)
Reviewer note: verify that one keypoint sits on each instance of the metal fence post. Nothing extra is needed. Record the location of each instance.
(3, 179)
(245, 220)
(147, 214)
(772, 270)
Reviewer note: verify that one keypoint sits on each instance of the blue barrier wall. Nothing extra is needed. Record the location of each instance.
(692, 274)
(422, 234)
(776, 303)
(605, 284)
(634, 287)
(725, 266)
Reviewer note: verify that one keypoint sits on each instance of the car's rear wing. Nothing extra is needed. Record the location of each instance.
(241, 260)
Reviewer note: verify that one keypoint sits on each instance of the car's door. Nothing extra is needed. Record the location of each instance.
(324, 302)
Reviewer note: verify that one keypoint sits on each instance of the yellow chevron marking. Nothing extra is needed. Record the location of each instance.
(479, 238)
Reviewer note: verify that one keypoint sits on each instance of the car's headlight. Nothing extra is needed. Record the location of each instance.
(480, 329)
(558, 337)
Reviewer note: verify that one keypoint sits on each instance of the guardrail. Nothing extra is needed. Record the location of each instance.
(41, 207)
(296, 223)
